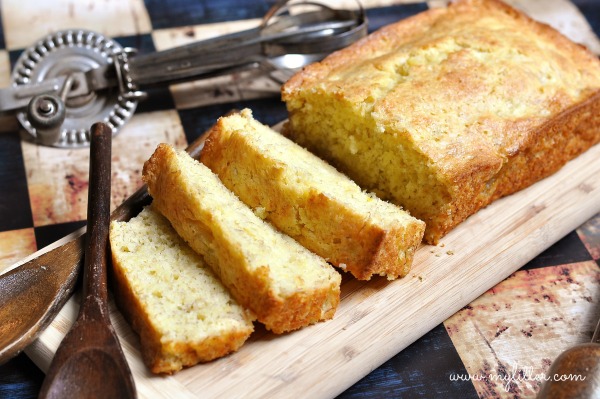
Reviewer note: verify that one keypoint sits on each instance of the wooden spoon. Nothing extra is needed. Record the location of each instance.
(33, 293)
(575, 374)
(46, 282)
(89, 362)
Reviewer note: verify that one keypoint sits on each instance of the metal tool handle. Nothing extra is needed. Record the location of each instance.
(301, 31)
(309, 32)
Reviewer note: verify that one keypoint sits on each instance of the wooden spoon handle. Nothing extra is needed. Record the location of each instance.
(46, 300)
(89, 361)
(95, 271)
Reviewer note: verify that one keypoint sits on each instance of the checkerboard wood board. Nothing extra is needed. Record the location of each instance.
(547, 306)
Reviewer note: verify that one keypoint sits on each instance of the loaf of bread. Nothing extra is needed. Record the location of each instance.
(283, 283)
(448, 110)
(309, 200)
(172, 299)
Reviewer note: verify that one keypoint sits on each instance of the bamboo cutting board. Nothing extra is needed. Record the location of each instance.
(377, 319)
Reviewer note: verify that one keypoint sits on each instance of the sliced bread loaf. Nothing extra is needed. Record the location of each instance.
(283, 283)
(173, 300)
(310, 200)
(450, 109)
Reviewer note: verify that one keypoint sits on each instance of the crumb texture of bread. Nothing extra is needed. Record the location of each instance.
(182, 312)
(450, 109)
(311, 201)
(284, 284)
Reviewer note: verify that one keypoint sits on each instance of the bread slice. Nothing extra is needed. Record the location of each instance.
(173, 300)
(283, 283)
(309, 200)
(448, 110)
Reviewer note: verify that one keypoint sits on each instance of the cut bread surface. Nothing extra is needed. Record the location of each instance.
(173, 300)
(284, 284)
(446, 111)
(310, 200)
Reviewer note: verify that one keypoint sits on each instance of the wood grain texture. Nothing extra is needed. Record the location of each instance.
(420, 371)
(15, 245)
(542, 311)
(16, 214)
(26, 21)
(377, 319)
(590, 235)
(57, 179)
(89, 361)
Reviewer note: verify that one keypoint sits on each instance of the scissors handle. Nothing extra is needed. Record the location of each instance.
(282, 31)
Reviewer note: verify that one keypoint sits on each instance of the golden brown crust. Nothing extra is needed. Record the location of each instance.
(177, 198)
(298, 310)
(167, 357)
(293, 189)
(552, 145)
(518, 91)
(158, 281)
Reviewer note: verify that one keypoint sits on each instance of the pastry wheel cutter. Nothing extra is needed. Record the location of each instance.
(71, 79)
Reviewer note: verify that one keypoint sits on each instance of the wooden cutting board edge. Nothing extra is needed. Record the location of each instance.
(378, 319)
